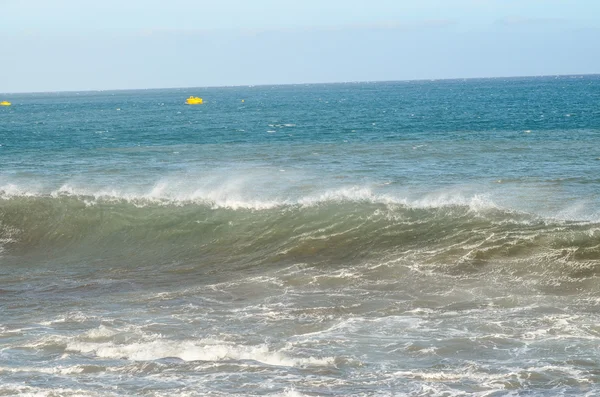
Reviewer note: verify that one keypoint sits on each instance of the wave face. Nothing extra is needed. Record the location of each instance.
(411, 238)
(335, 228)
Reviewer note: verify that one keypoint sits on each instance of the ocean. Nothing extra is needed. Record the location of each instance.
(421, 238)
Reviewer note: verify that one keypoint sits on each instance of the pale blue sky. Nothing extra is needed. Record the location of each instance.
(114, 44)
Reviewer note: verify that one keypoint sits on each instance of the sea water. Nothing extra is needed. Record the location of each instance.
(427, 238)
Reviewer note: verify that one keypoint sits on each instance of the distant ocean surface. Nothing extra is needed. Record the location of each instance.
(426, 238)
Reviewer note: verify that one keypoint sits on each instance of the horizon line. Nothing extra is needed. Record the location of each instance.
(305, 84)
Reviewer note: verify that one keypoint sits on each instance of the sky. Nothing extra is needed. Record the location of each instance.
(70, 45)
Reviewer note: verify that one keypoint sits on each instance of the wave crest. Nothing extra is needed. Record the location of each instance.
(339, 226)
(232, 195)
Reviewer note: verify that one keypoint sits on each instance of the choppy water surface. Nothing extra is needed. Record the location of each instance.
(413, 238)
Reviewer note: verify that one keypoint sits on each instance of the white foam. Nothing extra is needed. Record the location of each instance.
(476, 202)
(101, 332)
(241, 193)
(272, 189)
(289, 393)
(71, 317)
(194, 351)
(76, 369)
(351, 193)
(18, 389)
(11, 190)
(230, 194)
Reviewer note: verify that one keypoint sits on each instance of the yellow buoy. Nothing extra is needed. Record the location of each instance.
(5, 103)
(194, 100)
(243, 101)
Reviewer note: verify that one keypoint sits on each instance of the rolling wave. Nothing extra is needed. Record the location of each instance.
(335, 228)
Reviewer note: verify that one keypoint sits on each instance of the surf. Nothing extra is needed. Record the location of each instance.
(332, 229)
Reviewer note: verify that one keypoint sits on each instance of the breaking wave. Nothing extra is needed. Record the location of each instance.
(334, 227)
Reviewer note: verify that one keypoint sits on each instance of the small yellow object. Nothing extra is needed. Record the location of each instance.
(5, 103)
(243, 101)
(194, 100)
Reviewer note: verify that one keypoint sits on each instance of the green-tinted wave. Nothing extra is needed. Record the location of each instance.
(456, 237)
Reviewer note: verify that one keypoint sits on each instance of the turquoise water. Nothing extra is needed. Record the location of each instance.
(403, 238)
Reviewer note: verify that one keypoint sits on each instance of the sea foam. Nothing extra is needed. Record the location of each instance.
(195, 351)
(235, 195)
